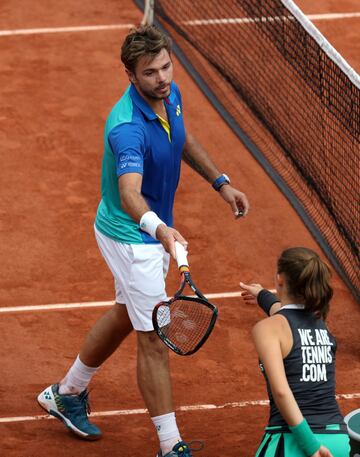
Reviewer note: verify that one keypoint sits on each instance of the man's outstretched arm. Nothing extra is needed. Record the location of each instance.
(200, 161)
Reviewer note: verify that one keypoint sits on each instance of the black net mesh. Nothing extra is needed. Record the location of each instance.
(299, 104)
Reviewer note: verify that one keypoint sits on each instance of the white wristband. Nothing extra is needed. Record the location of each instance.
(149, 222)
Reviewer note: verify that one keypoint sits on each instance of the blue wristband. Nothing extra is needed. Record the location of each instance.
(305, 438)
(220, 181)
(266, 299)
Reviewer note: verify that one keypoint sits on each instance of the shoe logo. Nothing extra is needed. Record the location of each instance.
(47, 395)
(58, 402)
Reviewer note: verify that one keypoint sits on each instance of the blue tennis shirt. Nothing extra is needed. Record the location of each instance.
(135, 141)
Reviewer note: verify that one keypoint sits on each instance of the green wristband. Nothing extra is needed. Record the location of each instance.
(305, 438)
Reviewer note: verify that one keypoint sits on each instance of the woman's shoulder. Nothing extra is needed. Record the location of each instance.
(270, 325)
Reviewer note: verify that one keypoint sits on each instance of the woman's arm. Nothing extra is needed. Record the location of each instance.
(250, 295)
(268, 346)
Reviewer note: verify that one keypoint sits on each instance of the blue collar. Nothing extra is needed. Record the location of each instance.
(144, 106)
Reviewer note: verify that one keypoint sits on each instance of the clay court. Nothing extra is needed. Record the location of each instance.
(57, 88)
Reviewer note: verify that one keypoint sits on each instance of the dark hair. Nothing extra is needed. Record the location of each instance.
(144, 40)
(307, 278)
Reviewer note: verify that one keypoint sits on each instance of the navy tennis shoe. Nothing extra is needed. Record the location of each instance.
(181, 449)
(72, 410)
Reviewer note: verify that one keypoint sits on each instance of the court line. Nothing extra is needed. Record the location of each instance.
(237, 20)
(128, 412)
(85, 28)
(248, 20)
(95, 304)
(332, 16)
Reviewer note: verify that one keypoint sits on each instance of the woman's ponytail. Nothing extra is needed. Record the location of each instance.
(307, 278)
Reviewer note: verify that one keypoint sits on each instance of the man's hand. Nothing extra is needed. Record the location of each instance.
(167, 237)
(236, 199)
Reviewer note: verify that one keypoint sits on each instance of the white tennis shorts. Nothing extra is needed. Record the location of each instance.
(139, 271)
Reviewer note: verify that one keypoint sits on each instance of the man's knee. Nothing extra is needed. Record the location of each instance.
(150, 344)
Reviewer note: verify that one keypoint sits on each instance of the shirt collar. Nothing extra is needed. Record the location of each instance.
(293, 306)
(142, 104)
(171, 98)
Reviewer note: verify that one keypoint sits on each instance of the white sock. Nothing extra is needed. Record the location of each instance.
(167, 431)
(77, 378)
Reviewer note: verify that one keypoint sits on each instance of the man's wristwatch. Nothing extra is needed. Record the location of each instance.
(220, 181)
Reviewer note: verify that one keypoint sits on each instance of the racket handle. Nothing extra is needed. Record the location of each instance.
(181, 255)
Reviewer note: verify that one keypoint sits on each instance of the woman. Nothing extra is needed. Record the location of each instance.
(297, 357)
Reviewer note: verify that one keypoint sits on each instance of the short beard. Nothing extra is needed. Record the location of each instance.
(153, 95)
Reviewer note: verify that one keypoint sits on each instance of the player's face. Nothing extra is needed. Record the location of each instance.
(153, 76)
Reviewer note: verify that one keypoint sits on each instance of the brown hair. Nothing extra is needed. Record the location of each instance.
(144, 40)
(307, 278)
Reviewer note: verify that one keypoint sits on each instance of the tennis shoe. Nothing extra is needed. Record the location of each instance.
(182, 449)
(72, 410)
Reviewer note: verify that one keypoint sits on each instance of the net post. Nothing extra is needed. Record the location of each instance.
(148, 17)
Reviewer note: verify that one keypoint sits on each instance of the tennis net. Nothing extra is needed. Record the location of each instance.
(291, 98)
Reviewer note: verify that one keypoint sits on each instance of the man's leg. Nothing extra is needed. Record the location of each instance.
(68, 400)
(105, 336)
(153, 373)
(102, 340)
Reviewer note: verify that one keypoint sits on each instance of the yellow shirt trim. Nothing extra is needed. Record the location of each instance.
(165, 126)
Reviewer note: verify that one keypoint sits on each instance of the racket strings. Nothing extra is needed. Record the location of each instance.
(184, 323)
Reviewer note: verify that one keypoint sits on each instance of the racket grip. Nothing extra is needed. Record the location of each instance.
(181, 255)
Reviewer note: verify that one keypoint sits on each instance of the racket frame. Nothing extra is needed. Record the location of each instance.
(199, 299)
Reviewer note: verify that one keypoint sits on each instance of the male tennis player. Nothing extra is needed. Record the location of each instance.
(145, 141)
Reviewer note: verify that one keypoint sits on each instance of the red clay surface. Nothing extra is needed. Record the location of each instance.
(56, 92)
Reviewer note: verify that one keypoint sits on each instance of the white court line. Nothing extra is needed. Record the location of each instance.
(127, 412)
(85, 28)
(247, 20)
(332, 16)
(94, 304)
(59, 306)
(94, 28)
